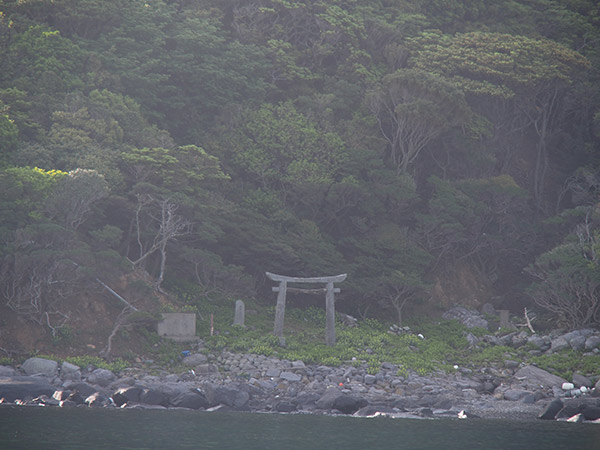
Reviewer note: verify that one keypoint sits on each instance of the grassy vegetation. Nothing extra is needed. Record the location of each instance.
(370, 343)
(442, 346)
(566, 363)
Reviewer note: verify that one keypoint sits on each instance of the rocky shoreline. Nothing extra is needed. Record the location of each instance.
(247, 382)
(257, 383)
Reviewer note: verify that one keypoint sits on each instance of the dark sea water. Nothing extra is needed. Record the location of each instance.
(54, 428)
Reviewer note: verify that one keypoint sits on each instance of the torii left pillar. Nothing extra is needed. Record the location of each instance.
(330, 291)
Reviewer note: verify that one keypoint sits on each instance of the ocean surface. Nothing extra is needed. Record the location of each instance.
(74, 428)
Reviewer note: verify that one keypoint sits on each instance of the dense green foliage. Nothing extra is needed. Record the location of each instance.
(413, 145)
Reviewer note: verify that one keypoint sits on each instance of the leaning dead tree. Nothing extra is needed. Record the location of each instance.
(168, 225)
(329, 291)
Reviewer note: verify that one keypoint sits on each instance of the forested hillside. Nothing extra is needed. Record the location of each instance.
(440, 152)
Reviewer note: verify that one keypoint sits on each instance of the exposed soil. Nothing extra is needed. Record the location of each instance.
(93, 314)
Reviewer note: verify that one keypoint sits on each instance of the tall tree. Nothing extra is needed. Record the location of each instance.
(412, 108)
(521, 84)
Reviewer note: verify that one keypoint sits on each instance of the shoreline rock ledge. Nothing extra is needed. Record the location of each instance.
(255, 383)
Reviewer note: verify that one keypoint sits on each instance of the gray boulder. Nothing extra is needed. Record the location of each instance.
(273, 373)
(154, 397)
(229, 395)
(592, 342)
(83, 389)
(191, 400)
(514, 395)
(558, 344)
(96, 400)
(306, 400)
(539, 342)
(35, 366)
(70, 371)
(13, 388)
(328, 398)
(578, 343)
(101, 377)
(591, 412)
(581, 380)
(370, 379)
(469, 318)
(535, 376)
(195, 360)
(285, 407)
(129, 394)
(206, 369)
(67, 367)
(596, 391)
(290, 376)
(6, 371)
(552, 410)
(349, 404)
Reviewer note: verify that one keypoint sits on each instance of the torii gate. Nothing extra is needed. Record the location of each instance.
(329, 300)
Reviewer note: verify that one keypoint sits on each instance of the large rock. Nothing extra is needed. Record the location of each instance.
(349, 404)
(596, 391)
(101, 377)
(535, 375)
(191, 400)
(226, 395)
(290, 376)
(592, 342)
(84, 389)
(285, 407)
(514, 395)
(552, 410)
(206, 369)
(306, 400)
(560, 343)
(578, 343)
(195, 360)
(328, 398)
(154, 397)
(469, 318)
(591, 412)
(67, 367)
(6, 371)
(130, 394)
(12, 388)
(96, 400)
(35, 366)
(581, 380)
(70, 371)
(539, 342)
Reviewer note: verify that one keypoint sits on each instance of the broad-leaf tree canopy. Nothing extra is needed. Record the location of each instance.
(438, 152)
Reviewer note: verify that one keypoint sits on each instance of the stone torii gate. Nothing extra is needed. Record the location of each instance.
(329, 300)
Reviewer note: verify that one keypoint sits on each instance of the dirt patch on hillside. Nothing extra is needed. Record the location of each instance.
(92, 316)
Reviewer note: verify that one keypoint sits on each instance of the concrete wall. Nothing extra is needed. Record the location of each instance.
(178, 326)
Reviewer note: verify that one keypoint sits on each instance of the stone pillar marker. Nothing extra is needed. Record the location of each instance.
(240, 313)
(329, 290)
(505, 319)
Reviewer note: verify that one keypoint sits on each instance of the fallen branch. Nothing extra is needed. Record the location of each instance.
(121, 319)
(527, 321)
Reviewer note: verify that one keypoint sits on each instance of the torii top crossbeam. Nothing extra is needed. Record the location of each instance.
(332, 279)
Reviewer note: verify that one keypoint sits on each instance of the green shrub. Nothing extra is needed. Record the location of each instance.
(115, 366)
